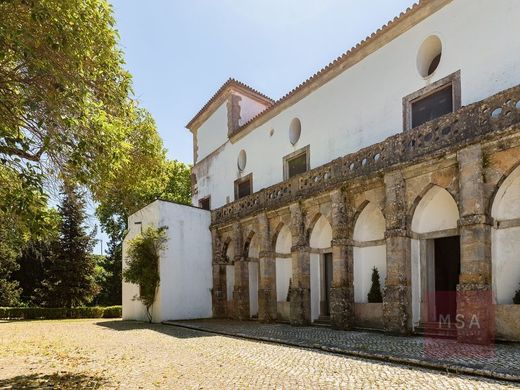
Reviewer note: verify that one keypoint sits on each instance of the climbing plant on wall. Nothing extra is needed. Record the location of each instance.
(142, 266)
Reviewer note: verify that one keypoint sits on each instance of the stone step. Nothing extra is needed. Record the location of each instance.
(322, 321)
(436, 330)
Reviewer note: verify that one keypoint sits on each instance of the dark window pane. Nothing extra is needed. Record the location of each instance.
(432, 106)
(204, 204)
(244, 188)
(297, 165)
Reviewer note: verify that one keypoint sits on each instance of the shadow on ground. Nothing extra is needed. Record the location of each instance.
(54, 381)
(173, 331)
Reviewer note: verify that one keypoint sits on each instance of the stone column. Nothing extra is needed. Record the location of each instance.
(342, 291)
(397, 298)
(219, 291)
(474, 293)
(267, 309)
(241, 290)
(300, 294)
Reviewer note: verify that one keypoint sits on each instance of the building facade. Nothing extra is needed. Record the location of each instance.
(402, 155)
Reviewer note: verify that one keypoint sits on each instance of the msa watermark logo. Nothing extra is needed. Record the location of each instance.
(459, 324)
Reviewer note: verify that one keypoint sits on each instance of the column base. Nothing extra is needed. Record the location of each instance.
(219, 303)
(300, 306)
(475, 314)
(397, 310)
(267, 310)
(241, 304)
(342, 308)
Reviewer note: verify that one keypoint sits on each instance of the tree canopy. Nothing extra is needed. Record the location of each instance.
(67, 113)
(63, 89)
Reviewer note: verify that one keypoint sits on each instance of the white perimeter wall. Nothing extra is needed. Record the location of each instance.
(363, 105)
(185, 265)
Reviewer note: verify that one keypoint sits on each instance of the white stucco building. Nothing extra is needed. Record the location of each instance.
(402, 154)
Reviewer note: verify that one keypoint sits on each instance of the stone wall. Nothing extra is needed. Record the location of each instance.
(467, 154)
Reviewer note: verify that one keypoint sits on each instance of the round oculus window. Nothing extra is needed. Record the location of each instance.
(295, 131)
(429, 56)
(242, 160)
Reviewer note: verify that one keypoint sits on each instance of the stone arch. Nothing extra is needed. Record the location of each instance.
(505, 241)
(251, 251)
(369, 223)
(251, 245)
(434, 222)
(426, 191)
(434, 210)
(507, 176)
(320, 230)
(282, 243)
(320, 240)
(369, 249)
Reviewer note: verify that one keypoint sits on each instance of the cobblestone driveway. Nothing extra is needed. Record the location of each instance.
(84, 354)
(500, 361)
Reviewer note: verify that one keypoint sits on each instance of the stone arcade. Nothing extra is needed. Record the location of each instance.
(403, 154)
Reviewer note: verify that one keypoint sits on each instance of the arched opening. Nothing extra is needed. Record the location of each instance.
(321, 268)
(369, 251)
(282, 246)
(253, 249)
(505, 241)
(435, 256)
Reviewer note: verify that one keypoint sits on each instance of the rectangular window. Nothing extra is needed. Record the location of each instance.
(205, 203)
(432, 106)
(244, 186)
(437, 99)
(296, 163)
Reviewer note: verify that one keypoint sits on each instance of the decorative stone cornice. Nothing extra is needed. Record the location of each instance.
(486, 119)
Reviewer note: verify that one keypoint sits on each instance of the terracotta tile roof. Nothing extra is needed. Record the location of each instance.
(231, 83)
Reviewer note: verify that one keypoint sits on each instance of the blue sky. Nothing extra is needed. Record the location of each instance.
(180, 52)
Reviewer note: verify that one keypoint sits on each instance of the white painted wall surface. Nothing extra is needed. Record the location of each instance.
(185, 265)
(506, 264)
(436, 211)
(370, 227)
(505, 243)
(230, 281)
(253, 289)
(133, 309)
(213, 133)
(283, 277)
(315, 286)
(416, 281)
(365, 259)
(363, 105)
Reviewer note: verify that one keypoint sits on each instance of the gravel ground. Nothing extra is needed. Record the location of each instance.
(108, 354)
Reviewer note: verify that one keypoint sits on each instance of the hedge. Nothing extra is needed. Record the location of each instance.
(33, 313)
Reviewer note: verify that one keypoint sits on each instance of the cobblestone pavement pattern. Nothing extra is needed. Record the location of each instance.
(85, 354)
(499, 358)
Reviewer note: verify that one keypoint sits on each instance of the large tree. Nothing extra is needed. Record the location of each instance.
(71, 271)
(63, 90)
(23, 214)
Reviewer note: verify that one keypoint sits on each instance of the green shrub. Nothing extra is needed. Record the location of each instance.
(112, 312)
(516, 298)
(35, 313)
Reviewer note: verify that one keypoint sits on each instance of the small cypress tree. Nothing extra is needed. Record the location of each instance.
(70, 272)
(374, 295)
(516, 298)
